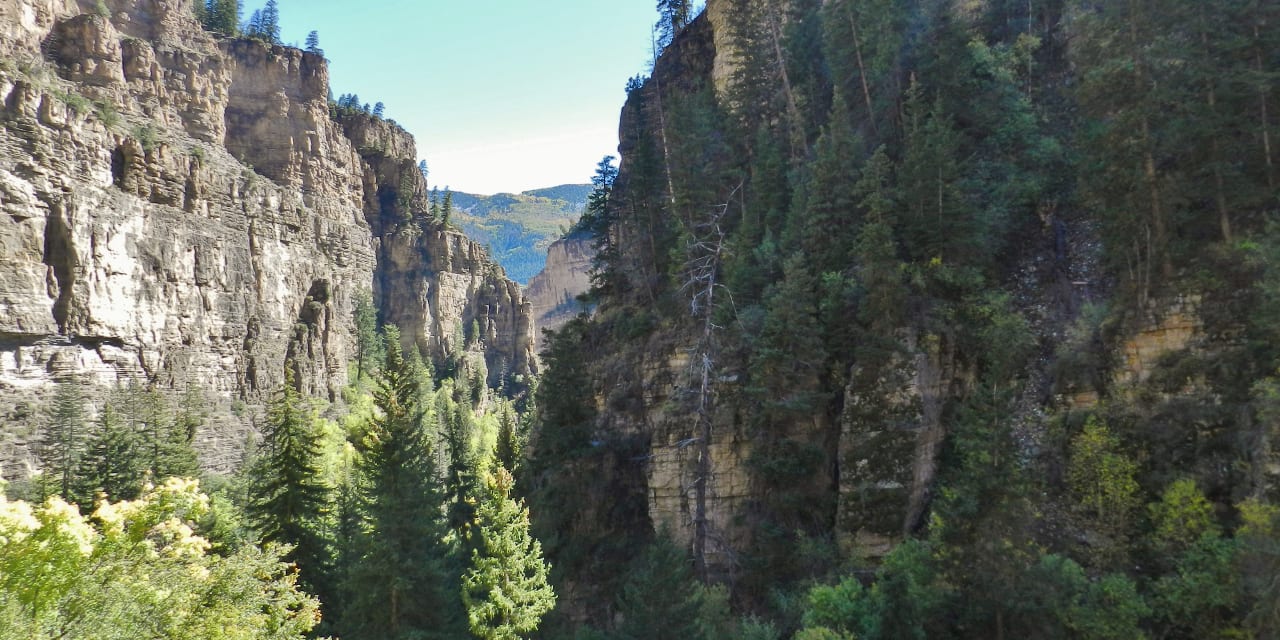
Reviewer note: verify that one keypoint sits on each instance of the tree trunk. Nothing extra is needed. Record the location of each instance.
(1220, 197)
(862, 69)
(1148, 155)
(793, 111)
(1262, 103)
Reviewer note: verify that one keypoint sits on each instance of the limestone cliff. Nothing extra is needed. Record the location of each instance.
(553, 293)
(182, 210)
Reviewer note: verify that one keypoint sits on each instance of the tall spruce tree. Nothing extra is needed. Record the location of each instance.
(505, 590)
(270, 31)
(62, 440)
(313, 44)
(288, 494)
(370, 351)
(112, 463)
(399, 587)
(660, 598)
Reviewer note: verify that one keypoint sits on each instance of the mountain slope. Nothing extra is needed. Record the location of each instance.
(519, 228)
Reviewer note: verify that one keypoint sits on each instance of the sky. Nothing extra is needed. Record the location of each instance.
(500, 95)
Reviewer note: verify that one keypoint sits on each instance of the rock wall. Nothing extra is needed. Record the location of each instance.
(553, 293)
(183, 211)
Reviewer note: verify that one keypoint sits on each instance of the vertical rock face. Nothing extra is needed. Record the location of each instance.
(434, 283)
(553, 293)
(178, 210)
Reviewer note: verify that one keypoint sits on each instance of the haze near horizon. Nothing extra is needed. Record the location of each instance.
(501, 95)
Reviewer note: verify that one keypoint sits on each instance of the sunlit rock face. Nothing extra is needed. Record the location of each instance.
(553, 293)
(182, 211)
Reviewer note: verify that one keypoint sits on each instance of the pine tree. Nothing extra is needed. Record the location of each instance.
(62, 440)
(253, 28)
(510, 444)
(660, 599)
(313, 43)
(462, 475)
(112, 463)
(223, 17)
(270, 28)
(167, 444)
(369, 345)
(446, 207)
(505, 590)
(673, 15)
(399, 587)
(378, 109)
(287, 491)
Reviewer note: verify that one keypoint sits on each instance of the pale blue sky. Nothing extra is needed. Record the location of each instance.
(501, 95)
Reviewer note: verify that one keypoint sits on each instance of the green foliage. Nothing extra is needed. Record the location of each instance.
(112, 462)
(660, 599)
(505, 590)
(137, 569)
(370, 351)
(146, 136)
(288, 494)
(518, 228)
(1182, 516)
(1102, 478)
(397, 585)
(1258, 566)
(62, 441)
(221, 17)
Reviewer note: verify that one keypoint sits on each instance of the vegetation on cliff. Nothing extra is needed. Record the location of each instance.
(942, 228)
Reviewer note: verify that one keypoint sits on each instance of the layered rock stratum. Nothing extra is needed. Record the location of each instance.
(182, 211)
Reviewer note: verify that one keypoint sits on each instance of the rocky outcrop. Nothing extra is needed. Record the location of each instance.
(433, 282)
(553, 293)
(180, 210)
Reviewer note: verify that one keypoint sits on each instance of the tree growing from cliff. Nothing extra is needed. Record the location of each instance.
(288, 494)
(222, 17)
(446, 206)
(673, 15)
(313, 43)
(505, 590)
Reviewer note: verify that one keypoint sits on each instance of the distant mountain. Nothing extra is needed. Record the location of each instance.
(519, 227)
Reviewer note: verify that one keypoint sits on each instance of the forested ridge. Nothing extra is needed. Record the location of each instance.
(939, 319)
(910, 319)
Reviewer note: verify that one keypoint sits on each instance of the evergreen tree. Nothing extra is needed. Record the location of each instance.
(378, 109)
(313, 43)
(510, 444)
(253, 27)
(112, 463)
(660, 598)
(505, 590)
(399, 586)
(446, 207)
(369, 345)
(288, 494)
(222, 17)
(62, 441)
(270, 27)
(673, 15)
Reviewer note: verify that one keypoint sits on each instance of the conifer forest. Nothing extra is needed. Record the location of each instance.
(907, 319)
